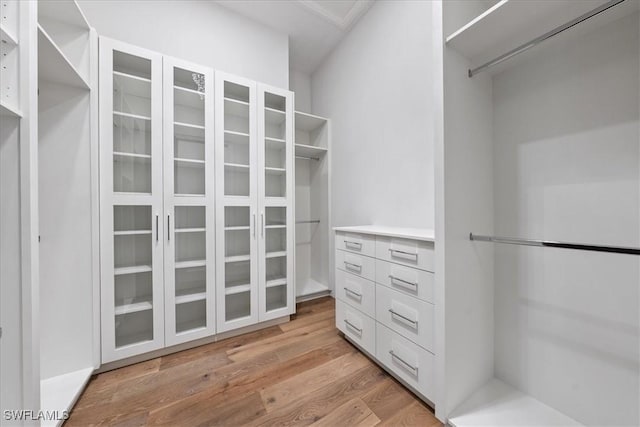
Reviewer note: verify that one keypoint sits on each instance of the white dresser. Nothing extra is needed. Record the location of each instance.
(385, 299)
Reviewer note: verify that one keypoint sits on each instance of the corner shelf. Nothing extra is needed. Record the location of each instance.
(308, 122)
(9, 111)
(310, 150)
(54, 66)
(6, 36)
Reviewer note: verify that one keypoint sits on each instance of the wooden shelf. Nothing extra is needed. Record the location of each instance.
(187, 298)
(133, 307)
(308, 122)
(54, 66)
(310, 151)
(498, 404)
(7, 37)
(132, 270)
(191, 264)
(237, 258)
(9, 111)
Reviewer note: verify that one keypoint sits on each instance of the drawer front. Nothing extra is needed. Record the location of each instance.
(408, 280)
(357, 243)
(408, 316)
(356, 264)
(356, 291)
(414, 253)
(359, 327)
(413, 364)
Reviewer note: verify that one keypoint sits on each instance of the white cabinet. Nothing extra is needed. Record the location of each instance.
(254, 187)
(385, 293)
(189, 251)
(131, 192)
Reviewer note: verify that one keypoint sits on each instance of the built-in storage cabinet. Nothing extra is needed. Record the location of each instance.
(132, 220)
(254, 158)
(384, 291)
(312, 206)
(188, 201)
(9, 59)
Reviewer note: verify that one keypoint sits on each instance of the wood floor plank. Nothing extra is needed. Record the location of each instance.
(298, 373)
(354, 413)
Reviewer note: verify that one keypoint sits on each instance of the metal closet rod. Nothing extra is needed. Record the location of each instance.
(553, 244)
(546, 36)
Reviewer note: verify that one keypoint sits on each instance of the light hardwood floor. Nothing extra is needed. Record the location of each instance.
(298, 373)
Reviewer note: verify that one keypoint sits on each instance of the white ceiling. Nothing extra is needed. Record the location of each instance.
(314, 27)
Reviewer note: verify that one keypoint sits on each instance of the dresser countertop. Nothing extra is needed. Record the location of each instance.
(424, 234)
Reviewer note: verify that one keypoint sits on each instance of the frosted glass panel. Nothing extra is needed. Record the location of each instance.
(131, 174)
(276, 297)
(134, 328)
(191, 316)
(237, 306)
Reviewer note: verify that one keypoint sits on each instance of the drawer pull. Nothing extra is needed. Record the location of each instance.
(349, 291)
(402, 254)
(355, 245)
(412, 368)
(353, 267)
(403, 282)
(395, 313)
(352, 326)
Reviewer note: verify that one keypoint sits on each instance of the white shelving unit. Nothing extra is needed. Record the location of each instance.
(520, 354)
(67, 170)
(313, 226)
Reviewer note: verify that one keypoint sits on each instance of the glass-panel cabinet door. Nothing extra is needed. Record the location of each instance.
(131, 200)
(188, 201)
(275, 186)
(236, 193)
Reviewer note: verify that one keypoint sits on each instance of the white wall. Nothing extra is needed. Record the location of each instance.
(566, 156)
(300, 83)
(198, 31)
(376, 88)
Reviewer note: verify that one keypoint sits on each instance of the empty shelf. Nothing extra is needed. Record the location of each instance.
(236, 108)
(132, 270)
(236, 166)
(276, 226)
(277, 254)
(190, 230)
(188, 125)
(188, 98)
(237, 228)
(273, 116)
(498, 404)
(61, 392)
(310, 151)
(139, 156)
(237, 289)
(237, 258)
(309, 289)
(131, 232)
(276, 282)
(308, 122)
(54, 66)
(133, 307)
(190, 162)
(6, 36)
(191, 264)
(131, 116)
(8, 110)
(184, 299)
(130, 84)
(275, 171)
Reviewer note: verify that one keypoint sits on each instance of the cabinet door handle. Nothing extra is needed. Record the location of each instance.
(408, 365)
(348, 243)
(349, 291)
(254, 225)
(395, 313)
(402, 254)
(353, 267)
(403, 282)
(157, 228)
(168, 226)
(352, 326)
(262, 223)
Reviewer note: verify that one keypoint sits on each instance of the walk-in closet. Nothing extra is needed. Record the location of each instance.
(318, 212)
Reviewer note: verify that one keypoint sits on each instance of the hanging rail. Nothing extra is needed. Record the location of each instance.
(307, 158)
(546, 36)
(552, 244)
(309, 221)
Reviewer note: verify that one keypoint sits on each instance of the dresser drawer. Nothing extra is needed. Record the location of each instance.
(359, 327)
(356, 291)
(414, 253)
(408, 316)
(356, 264)
(357, 243)
(408, 361)
(408, 280)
